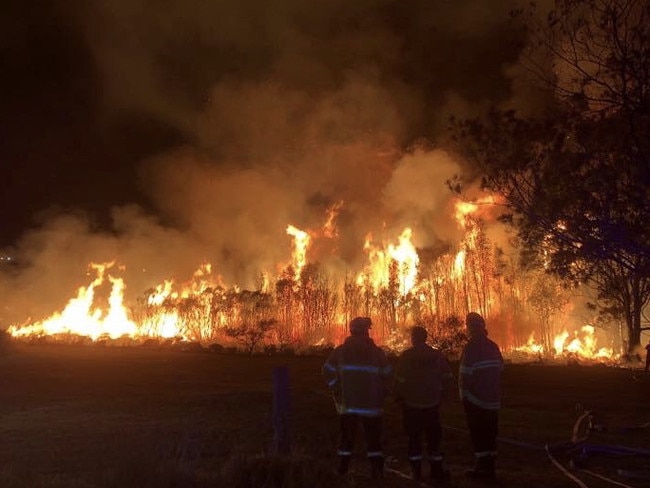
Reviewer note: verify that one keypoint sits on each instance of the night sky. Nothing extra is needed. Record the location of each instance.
(91, 89)
(61, 148)
(164, 133)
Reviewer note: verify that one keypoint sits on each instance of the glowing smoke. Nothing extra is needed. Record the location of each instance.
(284, 110)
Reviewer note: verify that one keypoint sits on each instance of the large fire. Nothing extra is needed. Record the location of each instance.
(401, 260)
(579, 344)
(80, 316)
(400, 285)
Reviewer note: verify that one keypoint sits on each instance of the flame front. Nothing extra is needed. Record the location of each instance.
(395, 287)
(581, 344)
(82, 317)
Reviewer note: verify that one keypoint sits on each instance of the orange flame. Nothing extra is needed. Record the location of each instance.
(581, 344)
(463, 210)
(201, 308)
(404, 255)
(300, 245)
(329, 229)
(80, 317)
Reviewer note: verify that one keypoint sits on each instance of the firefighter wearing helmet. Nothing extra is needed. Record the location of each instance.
(479, 384)
(358, 374)
(423, 377)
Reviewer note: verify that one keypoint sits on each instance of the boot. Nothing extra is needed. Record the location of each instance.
(344, 464)
(416, 469)
(438, 472)
(376, 467)
(484, 468)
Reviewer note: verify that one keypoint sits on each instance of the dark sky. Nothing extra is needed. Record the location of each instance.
(91, 89)
(58, 147)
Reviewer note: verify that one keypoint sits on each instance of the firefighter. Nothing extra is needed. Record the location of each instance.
(479, 385)
(358, 374)
(422, 378)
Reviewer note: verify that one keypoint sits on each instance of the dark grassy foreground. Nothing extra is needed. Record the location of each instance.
(128, 417)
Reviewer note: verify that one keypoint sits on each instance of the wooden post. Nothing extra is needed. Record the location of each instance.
(281, 411)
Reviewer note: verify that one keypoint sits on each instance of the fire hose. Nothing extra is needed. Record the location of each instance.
(578, 446)
(577, 443)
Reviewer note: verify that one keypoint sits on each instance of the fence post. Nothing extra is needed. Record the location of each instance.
(281, 411)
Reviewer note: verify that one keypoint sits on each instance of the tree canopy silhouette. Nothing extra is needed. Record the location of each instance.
(576, 178)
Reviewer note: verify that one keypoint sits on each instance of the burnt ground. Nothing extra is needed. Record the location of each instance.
(90, 416)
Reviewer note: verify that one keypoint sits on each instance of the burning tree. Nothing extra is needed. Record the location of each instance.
(575, 178)
(547, 297)
(318, 300)
(255, 319)
(250, 334)
(401, 285)
(287, 303)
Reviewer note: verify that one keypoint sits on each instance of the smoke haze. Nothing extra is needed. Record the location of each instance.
(223, 122)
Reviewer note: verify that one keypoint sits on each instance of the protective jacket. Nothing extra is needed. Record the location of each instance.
(358, 374)
(479, 379)
(421, 373)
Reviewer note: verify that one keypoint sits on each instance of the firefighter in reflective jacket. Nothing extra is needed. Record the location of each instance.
(422, 378)
(479, 385)
(358, 375)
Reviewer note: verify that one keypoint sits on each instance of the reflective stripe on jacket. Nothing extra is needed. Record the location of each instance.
(479, 379)
(421, 373)
(358, 374)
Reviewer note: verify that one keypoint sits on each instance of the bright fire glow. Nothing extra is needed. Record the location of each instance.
(581, 344)
(464, 209)
(329, 228)
(82, 317)
(300, 245)
(313, 309)
(401, 260)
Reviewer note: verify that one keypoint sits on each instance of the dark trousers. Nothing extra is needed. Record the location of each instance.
(419, 424)
(372, 429)
(647, 363)
(483, 428)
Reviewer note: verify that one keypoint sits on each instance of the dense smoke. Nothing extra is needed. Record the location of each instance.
(280, 110)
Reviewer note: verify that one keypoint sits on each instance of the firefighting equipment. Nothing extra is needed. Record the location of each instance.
(479, 385)
(376, 467)
(479, 381)
(422, 373)
(475, 322)
(360, 325)
(484, 468)
(344, 463)
(416, 469)
(438, 472)
(358, 373)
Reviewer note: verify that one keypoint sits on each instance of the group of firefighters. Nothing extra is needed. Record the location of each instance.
(360, 377)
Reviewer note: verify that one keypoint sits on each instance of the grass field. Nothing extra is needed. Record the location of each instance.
(90, 416)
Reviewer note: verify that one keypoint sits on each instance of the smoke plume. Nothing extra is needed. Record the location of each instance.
(280, 110)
